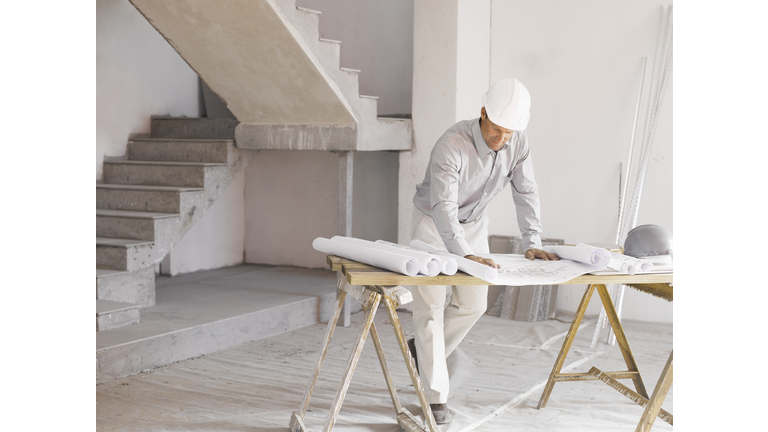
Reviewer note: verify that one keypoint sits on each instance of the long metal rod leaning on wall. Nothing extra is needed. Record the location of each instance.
(628, 217)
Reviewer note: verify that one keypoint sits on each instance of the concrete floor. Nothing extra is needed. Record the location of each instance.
(496, 379)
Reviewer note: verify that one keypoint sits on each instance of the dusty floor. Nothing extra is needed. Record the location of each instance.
(497, 376)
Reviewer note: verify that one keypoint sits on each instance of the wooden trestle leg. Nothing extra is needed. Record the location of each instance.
(632, 370)
(369, 297)
(370, 304)
(296, 423)
(621, 339)
(659, 393)
(403, 416)
(385, 368)
(569, 337)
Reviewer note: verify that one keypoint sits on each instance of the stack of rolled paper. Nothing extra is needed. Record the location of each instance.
(389, 256)
(448, 265)
(626, 263)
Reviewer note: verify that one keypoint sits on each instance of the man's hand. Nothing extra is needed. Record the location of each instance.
(486, 261)
(532, 254)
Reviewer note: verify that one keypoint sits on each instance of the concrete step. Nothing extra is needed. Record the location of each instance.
(208, 311)
(328, 51)
(179, 150)
(112, 314)
(307, 22)
(134, 225)
(123, 254)
(153, 173)
(131, 287)
(348, 80)
(162, 199)
(193, 127)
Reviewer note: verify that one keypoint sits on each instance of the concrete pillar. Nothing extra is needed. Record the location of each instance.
(451, 70)
(344, 218)
(344, 204)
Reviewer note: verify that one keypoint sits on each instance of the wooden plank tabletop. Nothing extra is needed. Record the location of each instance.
(658, 284)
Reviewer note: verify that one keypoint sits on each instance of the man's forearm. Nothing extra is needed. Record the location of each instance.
(445, 216)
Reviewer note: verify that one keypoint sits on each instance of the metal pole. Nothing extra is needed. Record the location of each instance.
(623, 193)
(635, 205)
(657, 92)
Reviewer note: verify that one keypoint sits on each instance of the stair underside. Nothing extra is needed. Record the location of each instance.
(244, 48)
(285, 85)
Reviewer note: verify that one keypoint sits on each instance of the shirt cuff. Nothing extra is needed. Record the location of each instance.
(531, 242)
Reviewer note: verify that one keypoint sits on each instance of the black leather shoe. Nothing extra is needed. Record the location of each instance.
(412, 348)
(441, 413)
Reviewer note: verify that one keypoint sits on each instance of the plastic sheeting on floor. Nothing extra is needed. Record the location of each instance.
(497, 377)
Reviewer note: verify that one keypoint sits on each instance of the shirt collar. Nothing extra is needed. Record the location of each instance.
(480, 144)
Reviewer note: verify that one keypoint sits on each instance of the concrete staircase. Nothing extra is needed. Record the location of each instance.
(149, 200)
(282, 81)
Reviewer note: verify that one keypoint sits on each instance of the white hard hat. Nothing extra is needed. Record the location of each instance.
(507, 104)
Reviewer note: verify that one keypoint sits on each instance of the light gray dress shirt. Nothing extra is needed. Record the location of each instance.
(464, 174)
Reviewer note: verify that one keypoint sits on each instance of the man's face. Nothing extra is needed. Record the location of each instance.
(494, 135)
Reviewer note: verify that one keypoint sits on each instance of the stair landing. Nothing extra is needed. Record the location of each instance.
(208, 311)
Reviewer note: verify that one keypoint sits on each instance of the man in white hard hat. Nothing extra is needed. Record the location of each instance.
(469, 165)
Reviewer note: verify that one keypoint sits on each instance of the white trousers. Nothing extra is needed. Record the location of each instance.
(439, 328)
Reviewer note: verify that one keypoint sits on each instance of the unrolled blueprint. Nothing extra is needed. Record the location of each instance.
(517, 270)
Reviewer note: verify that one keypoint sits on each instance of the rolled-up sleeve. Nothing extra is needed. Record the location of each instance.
(525, 194)
(444, 197)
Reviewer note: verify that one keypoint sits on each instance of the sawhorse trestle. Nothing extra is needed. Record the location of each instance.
(370, 297)
(652, 405)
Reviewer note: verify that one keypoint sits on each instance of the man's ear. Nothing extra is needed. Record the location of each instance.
(482, 112)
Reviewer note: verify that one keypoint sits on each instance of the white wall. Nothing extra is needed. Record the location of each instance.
(582, 61)
(450, 73)
(473, 45)
(217, 239)
(138, 74)
(374, 196)
(290, 199)
(377, 38)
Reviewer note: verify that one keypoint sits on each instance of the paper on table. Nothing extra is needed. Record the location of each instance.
(448, 265)
(517, 270)
(387, 260)
(428, 264)
(472, 268)
(582, 253)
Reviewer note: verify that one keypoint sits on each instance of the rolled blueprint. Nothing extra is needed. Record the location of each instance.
(628, 264)
(448, 265)
(428, 265)
(480, 271)
(387, 260)
(582, 253)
